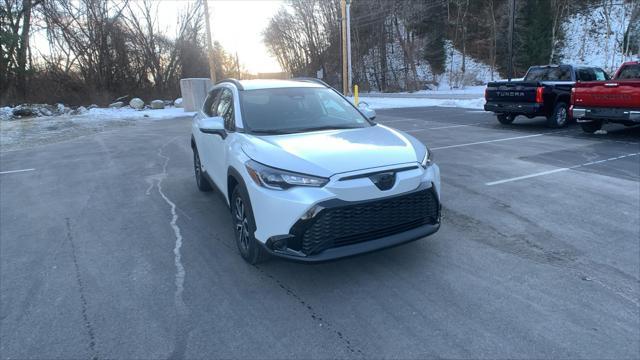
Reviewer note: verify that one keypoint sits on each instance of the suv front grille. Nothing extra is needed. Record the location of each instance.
(370, 220)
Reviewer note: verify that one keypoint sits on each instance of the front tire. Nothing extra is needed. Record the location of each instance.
(560, 116)
(591, 127)
(506, 119)
(201, 180)
(244, 227)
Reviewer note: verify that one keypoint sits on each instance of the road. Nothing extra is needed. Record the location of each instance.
(107, 250)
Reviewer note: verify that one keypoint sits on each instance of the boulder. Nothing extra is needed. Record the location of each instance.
(117, 105)
(157, 104)
(25, 110)
(79, 111)
(92, 106)
(136, 103)
(178, 103)
(46, 112)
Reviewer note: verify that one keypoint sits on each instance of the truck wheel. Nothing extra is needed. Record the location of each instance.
(201, 180)
(591, 127)
(245, 226)
(560, 116)
(506, 119)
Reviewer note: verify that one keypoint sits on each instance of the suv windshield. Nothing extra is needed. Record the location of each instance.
(548, 73)
(629, 72)
(290, 110)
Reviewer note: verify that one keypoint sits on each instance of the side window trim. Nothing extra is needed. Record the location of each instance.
(211, 102)
(231, 109)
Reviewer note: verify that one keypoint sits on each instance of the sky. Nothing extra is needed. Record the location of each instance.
(237, 25)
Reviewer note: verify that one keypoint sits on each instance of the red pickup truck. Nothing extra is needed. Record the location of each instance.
(617, 100)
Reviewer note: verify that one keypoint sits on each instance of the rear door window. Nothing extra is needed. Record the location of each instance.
(549, 73)
(585, 74)
(600, 74)
(629, 72)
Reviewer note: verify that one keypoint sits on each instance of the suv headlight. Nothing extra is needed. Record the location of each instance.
(428, 159)
(277, 179)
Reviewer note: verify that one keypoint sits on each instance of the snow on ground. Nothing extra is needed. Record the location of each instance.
(129, 113)
(479, 90)
(586, 41)
(31, 131)
(389, 103)
(5, 113)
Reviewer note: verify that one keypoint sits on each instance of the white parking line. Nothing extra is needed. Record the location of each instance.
(558, 170)
(441, 127)
(488, 141)
(15, 171)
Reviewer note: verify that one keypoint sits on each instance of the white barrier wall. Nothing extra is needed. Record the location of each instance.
(194, 91)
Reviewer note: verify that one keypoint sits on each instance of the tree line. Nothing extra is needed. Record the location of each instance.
(93, 51)
(393, 40)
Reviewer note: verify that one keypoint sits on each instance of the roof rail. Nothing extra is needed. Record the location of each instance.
(232, 81)
(311, 79)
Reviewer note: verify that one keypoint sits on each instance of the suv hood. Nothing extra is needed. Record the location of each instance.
(329, 152)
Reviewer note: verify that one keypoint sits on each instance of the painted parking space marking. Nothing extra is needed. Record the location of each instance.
(441, 127)
(15, 171)
(487, 141)
(542, 173)
(498, 140)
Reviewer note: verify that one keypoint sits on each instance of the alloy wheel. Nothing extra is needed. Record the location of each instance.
(197, 167)
(561, 116)
(242, 225)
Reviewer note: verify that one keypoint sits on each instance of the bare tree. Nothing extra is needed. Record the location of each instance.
(559, 9)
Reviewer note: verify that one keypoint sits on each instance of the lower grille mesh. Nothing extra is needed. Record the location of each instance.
(351, 224)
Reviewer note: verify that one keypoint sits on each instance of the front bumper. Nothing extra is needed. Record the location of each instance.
(515, 108)
(335, 228)
(614, 115)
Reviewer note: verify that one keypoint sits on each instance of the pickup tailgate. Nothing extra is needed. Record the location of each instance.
(610, 94)
(511, 91)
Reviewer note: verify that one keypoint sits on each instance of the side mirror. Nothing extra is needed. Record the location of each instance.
(213, 125)
(366, 110)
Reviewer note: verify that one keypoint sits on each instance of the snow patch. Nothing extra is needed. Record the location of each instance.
(98, 114)
(586, 41)
(391, 103)
(5, 113)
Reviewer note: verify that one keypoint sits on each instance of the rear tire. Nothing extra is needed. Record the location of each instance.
(559, 117)
(506, 119)
(244, 227)
(591, 127)
(201, 180)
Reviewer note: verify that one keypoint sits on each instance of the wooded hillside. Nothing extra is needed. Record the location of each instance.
(405, 45)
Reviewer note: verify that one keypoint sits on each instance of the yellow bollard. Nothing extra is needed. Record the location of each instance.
(355, 94)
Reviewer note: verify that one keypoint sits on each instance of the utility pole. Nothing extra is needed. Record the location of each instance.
(238, 65)
(512, 16)
(349, 72)
(343, 21)
(212, 65)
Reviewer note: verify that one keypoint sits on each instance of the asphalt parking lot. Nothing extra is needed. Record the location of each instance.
(108, 250)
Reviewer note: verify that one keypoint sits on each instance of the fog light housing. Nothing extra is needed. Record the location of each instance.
(278, 243)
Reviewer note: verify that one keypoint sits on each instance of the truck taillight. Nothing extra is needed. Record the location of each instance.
(486, 93)
(539, 92)
(573, 94)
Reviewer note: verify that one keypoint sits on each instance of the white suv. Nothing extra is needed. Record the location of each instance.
(307, 175)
